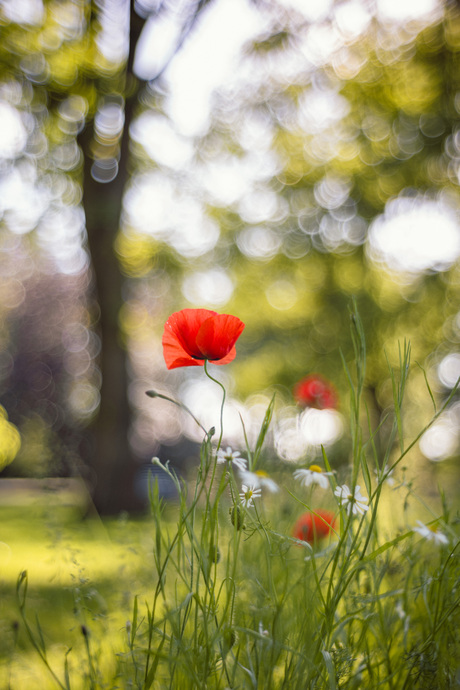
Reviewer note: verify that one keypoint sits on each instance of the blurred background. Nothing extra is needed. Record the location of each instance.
(271, 159)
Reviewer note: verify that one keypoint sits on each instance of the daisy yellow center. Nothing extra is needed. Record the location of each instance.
(261, 473)
(248, 494)
(315, 468)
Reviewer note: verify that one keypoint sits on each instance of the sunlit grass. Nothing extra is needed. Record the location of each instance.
(80, 572)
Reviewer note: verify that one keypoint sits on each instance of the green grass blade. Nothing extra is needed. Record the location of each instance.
(263, 432)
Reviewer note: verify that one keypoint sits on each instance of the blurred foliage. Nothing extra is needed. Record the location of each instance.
(295, 242)
(268, 214)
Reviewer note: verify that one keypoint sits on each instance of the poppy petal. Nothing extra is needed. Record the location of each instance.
(174, 353)
(218, 335)
(227, 359)
(185, 324)
(179, 338)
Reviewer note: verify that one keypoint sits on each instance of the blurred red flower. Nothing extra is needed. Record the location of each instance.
(313, 526)
(192, 336)
(315, 391)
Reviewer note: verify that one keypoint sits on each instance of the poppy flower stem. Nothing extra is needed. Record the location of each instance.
(223, 401)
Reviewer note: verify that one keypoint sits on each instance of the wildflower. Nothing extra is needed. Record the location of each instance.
(315, 391)
(431, 533)
(385, 475)
(259, 480)
(192, 336)
(313, 475)
(231, 457)
(355, 502)
(312, 526)
(248, 493)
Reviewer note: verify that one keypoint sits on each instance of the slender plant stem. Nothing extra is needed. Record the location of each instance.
(154, 394)
(223, 401)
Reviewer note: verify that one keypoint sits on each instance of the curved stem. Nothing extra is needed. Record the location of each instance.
(154, 394)
(223, 401)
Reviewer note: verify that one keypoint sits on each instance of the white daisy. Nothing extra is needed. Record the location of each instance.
(313, 475)
(230, 456)
(355, 502)
(248, 493)
(259, 480)
(431, 533)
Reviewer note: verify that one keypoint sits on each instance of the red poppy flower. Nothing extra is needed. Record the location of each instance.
(311, 527)
(315, 391)
(192, 336)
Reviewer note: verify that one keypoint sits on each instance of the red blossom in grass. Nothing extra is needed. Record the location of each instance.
(192, 336)
(311, 527)
(315, 391)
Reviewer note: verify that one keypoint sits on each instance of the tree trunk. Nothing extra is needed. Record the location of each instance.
(112, 460)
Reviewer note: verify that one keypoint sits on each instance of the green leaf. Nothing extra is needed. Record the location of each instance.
(263, 432)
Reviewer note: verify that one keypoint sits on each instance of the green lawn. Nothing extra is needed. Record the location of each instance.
(80, 572)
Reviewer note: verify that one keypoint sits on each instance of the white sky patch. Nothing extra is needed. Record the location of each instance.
(312, 10)
(156, 45)
(228, 178)
(320, 109)
(414, 235)
(449, 370)
(113, 37)
(261, 205)
(225, 179)
(405, 10)
(62, 233)
(256, 132)
(441, 440)
(13, 134)
(22, 201)
(156, 206)
(259, 242)
(207, 61)
(161, 142)
(321, 40)
(211, 288)
(26, 206)
(352, 19)
(23, 11)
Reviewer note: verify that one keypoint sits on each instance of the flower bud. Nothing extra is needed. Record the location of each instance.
(237, 517)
